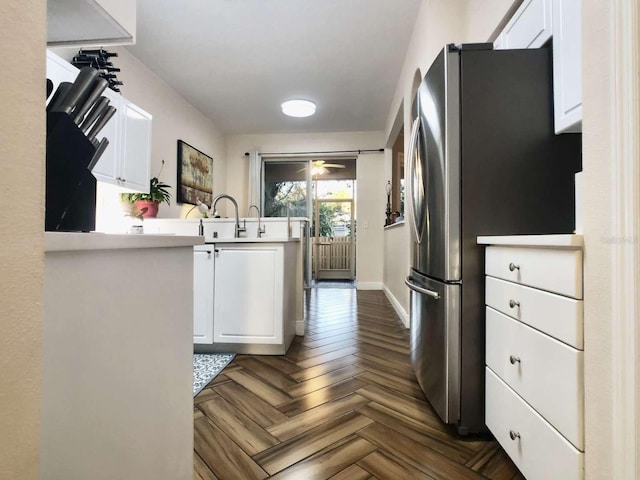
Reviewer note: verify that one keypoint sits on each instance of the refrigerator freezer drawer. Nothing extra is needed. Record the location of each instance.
(555, 315)
(530, 266)
(536, 448)
(435, 343)
(546, 373)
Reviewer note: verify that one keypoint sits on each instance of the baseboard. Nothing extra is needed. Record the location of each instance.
(369, 285)
(397, 307)
(300, 327)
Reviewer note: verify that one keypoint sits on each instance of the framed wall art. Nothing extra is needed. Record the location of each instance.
(195, 175)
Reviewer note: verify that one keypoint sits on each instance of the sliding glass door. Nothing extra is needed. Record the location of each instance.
(285, 188)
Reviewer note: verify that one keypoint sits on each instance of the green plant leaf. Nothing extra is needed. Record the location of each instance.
(158, 192)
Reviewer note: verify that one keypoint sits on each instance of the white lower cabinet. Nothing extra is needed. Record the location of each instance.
(534, 352)
(203, 272)
(248, 294)
(245, 297)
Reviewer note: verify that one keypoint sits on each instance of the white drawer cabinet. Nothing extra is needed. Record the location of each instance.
(557, 315)
(534, 352)
(558, 271)
(535, 447)
(547, 373)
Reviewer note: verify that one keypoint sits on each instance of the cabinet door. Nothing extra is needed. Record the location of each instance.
(530, 26)
(248, 294)
(136, 147)
(203, 269)
(106, 170)
(58, 71)
(567, 65)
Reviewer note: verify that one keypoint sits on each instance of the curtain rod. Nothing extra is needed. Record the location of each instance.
(327, 152)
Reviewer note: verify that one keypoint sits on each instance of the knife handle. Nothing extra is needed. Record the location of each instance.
(83, 82)
(98, 108)
(59, 94)
(49, 88)
(85, 103)
(98, 153)
(101, 122)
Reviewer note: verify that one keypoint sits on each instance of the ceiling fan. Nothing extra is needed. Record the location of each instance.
(319, 167)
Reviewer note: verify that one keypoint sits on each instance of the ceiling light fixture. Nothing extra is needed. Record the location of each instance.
(298, 108)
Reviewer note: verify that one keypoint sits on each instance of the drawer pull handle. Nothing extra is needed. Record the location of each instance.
(513, 435)
(514, 304)
(513, 266)
(513, 359)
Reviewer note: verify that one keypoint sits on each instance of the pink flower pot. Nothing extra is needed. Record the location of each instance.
(152, 207)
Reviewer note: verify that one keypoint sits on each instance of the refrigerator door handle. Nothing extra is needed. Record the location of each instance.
(419, 289)
(412, 146)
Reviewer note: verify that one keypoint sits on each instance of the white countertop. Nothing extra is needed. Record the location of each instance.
(196, 220)
(72, 241)
(251, 240)
(560, 240)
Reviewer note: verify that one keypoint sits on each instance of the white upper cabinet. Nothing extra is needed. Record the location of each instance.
(530, 26)
(91, 22)
(567, 65)
(535, 22)
(126, 160)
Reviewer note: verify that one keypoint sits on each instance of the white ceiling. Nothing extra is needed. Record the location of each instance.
(237, 60)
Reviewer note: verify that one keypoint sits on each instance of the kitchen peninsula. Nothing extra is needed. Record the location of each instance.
(248, 290)
(117, 356)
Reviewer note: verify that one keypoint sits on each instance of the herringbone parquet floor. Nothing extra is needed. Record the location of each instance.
(343, 403)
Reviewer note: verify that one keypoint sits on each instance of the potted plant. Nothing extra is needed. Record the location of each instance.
(147, 203)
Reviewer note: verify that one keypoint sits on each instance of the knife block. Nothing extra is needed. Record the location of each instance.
(70, 198)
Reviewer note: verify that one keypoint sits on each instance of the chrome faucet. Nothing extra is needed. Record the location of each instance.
(261, 230)
(238, 228)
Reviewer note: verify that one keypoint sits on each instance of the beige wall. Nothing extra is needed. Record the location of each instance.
(173, 119)
(484, 20)
(22, 138)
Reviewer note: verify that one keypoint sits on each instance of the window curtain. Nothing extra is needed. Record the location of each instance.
(255, 179)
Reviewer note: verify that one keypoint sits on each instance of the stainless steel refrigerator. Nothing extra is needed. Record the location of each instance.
(483, 160)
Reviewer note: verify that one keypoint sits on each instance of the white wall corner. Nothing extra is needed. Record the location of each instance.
(404, 316)
(368, 285)
(300, 328)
